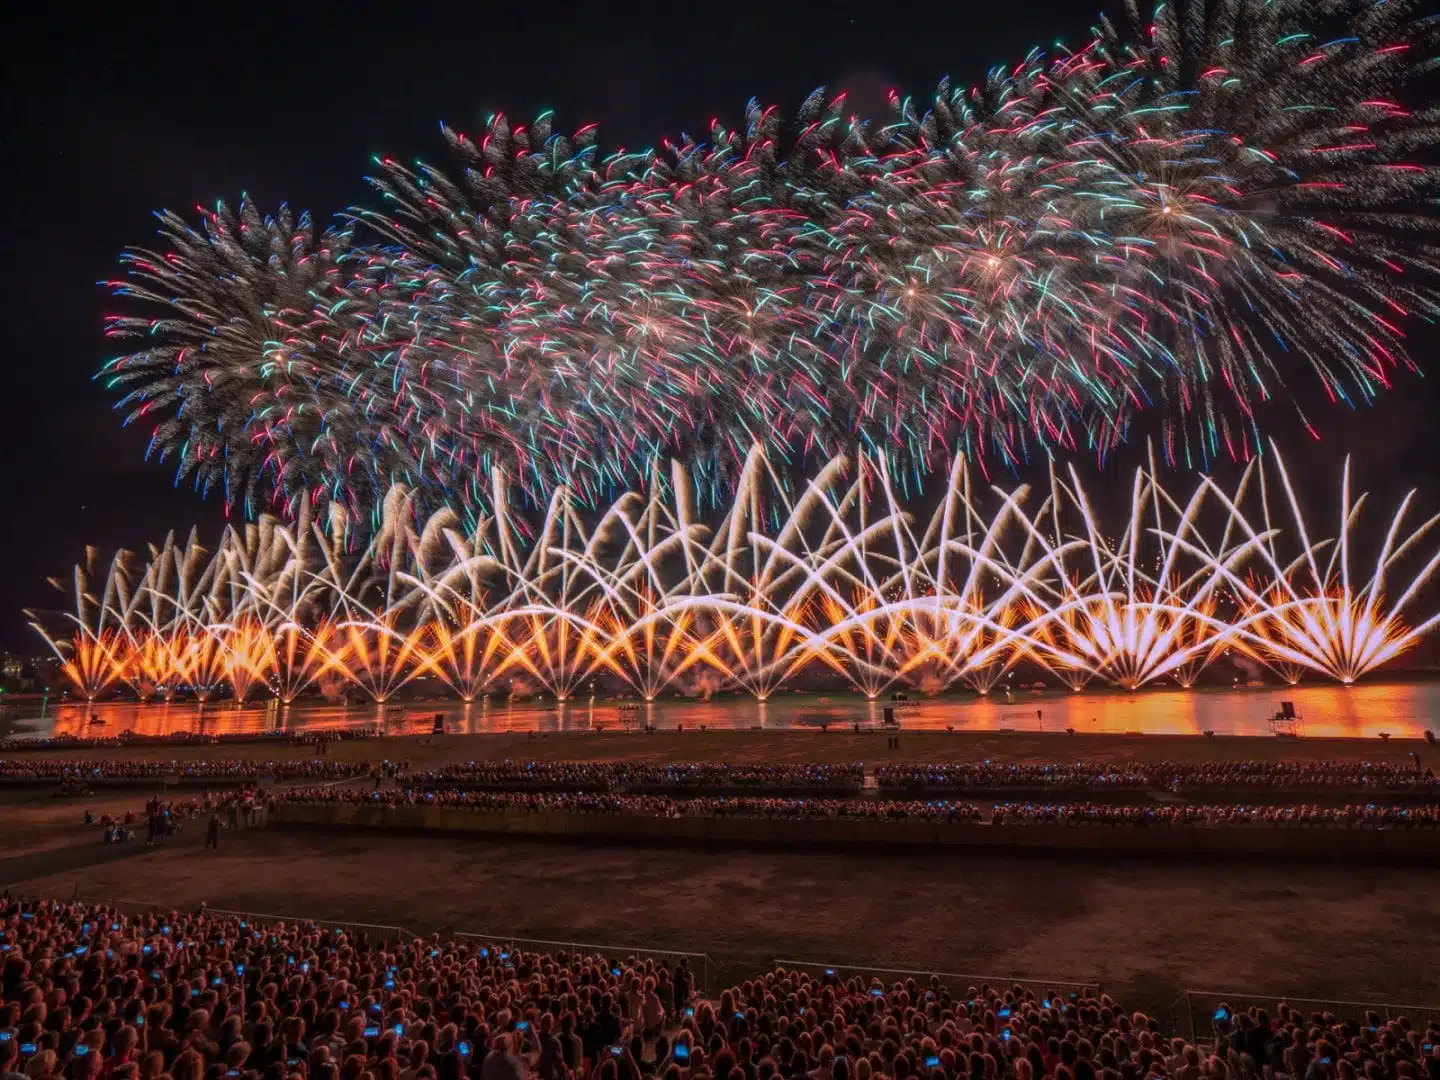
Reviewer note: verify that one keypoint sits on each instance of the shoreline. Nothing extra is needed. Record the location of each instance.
(1401, 708)
(777, 746)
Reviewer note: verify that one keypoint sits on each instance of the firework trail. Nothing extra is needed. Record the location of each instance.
(1186, 214)
(838, 583)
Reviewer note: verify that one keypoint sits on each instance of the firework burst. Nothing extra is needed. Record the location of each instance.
(839, 584)
(1191, 212)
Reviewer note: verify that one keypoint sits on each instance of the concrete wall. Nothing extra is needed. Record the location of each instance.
(1120, 840)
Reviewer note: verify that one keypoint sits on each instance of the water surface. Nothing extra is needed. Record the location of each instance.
(1400, 708)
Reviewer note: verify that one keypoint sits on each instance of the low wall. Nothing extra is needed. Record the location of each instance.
(674, 791)
(168, 782)
(759, 832)
(1111, 796)
(1143, 796)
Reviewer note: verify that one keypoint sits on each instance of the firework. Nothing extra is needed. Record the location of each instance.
(1192, 212)
(836, 584)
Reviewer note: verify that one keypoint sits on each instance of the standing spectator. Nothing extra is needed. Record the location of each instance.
(124, 1050)
(8, 1055)
(41, 1065)
(419, 1053)
(652, 1013)
(501, 1064)
(551, 1065)
(684, 984)
(571, 1043)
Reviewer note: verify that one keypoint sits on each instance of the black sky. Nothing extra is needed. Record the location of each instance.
(112, 111)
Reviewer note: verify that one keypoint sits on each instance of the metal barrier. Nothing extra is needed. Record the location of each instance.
(125, 907)
(1194, 1013)
(375, 931)
(701, 966)
(955, 980)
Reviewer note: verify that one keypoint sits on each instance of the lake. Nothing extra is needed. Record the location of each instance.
(1400, 708)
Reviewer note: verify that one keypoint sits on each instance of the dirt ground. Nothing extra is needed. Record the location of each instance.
(793, 746)
(1147, 931)
(31, 822)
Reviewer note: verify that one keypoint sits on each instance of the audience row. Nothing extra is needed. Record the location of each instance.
(1077, 813)
(1341, 777)
(1309, 775)
(91, 994)
(613, 775)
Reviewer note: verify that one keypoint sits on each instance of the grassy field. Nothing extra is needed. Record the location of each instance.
(794, 746)
(1147, 931)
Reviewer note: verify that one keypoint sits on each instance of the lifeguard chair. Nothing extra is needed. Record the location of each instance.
(1287, 723)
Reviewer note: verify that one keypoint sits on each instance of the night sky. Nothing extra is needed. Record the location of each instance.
(111, 116)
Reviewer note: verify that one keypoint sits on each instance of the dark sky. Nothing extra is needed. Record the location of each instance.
(132, 107)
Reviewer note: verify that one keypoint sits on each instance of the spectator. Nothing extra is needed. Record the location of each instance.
(9, 1056)
(201, 997)
(940, 811)
(500, 1063)
(41, 1065)
(651, 1012)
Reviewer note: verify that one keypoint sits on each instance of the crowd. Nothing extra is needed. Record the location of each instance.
(77, 770)
(1320, 777)
(328, 735)
(940, 810)
(1168, 775)
(619, 775)
(1369, 815)
(90, 994)
(13, 744)
(164, 818)
(597, 802)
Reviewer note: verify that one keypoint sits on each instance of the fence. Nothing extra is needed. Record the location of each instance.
(956, 981)
(374, 931)
(1194, 1012)
(701, 966)
(125, 907)
(1192, 1015)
